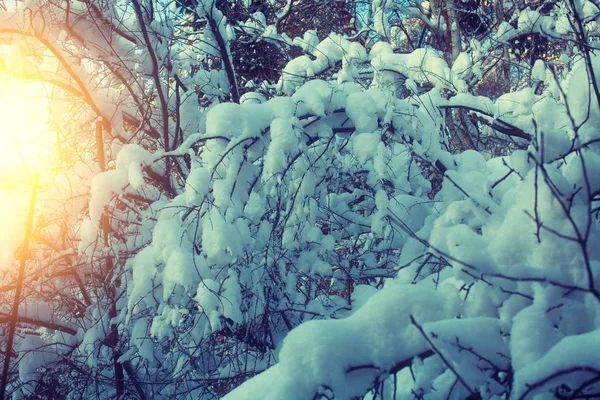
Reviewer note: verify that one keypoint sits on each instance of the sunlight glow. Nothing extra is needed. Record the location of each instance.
(27, 147)
(27, 144)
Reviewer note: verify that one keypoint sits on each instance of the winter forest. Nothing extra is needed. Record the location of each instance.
(300, 199)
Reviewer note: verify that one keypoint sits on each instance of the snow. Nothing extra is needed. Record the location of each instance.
(197, 185)
(538, 71)
(104, 187)
(320, 352)
(314, 97)
(179, 270)
(143, 275)
(209, 303)
(532, 335)
(570, 356)
(284, 142)
(366, 145)
(220, 240)
(326, 54)
(380, 18)
(314, 229)
(462, 66)
(505, 32)
(255, 207)
(309, 42)
(34, 356)
(480, 337)
(231, 121)
(131, 159)
(528, 20)
(141, 340)
(422, 65)
(583, 101)
(362, 110)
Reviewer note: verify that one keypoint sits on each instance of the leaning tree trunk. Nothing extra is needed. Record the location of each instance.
(111, 292)
(19, 286)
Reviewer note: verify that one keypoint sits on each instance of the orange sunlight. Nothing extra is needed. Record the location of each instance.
(27, 147)
(27, 144)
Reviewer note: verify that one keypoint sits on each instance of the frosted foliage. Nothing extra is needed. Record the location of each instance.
(482, 338)
(130, 160)
(143, 272)
(33, 358)
(321, 352)
(283, 142)
(141, 340)
(179, 270)
(231, 120)
(380, 18)
(197, 185)
(519, 274)
(258, 183)
(366, 145)
(222, 242)
(422, 65)
(252, 209)
(327, 53)
(104, 188)
(208, 302)
(584, 101)
(309, 42)
(462, 66)
(539, 71)
(362, 110)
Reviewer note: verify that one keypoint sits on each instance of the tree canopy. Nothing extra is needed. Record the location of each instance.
(309, 200)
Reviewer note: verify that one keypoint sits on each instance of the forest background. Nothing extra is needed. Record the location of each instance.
(278, 199)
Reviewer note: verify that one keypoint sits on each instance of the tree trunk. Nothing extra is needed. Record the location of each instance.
(20, 277)
(112, 312)
(452, 30)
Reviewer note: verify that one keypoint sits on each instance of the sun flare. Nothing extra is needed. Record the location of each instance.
(27, 143)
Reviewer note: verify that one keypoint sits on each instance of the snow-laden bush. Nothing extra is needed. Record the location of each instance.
(299, 209)
(511, 309)
(367, 227)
